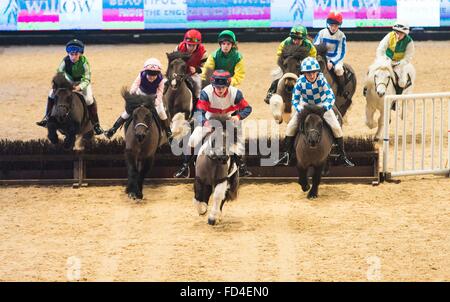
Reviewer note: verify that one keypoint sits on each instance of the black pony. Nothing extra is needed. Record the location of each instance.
(69, 114)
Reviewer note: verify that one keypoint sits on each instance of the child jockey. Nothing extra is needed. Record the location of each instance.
(226, 57)
(312, 88)
(398, 47)
(192, 44)
(149, 81)
(336, 43)
(77, 70)
(218, 99)
(297, 36)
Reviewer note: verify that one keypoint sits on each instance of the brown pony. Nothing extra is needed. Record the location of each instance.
(289, 63)
(178, 97)
(313, 145)
(344, 102)
(142, 137)
(69, 115)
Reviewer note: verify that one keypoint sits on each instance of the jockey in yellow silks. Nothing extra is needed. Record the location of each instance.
(398, 47)
(297, 36)
(226, 57)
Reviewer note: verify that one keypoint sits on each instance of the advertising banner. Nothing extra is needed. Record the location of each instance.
(16, 15)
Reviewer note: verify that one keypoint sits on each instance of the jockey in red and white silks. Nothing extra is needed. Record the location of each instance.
(219, 101)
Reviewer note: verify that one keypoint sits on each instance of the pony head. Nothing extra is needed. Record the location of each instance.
(381, 76)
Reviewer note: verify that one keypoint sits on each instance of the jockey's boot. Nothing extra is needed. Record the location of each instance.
(166, 126)
(184, 171)
(94, 118)
(243, 171)
(288, 146)
(110, 132)
(48, 110)
(340, 85)
(342, 155)
(271, 91)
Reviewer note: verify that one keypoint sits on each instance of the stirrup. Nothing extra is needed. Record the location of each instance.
(345, 161)
(181, 173)
(284, 160)
(244, 172)
(43, 123)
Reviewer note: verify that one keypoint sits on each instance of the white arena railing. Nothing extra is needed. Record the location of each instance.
(419, 131)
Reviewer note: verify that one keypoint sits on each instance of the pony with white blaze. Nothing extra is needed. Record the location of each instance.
(381, 81)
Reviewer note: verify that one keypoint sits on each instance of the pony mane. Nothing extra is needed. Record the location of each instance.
(310, 109)
(132, 101)
(297, 51)
(322, 50)
(60, 81)
(177, 55)
(380, 63)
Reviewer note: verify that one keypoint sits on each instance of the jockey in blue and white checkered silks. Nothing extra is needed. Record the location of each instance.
(312, 88)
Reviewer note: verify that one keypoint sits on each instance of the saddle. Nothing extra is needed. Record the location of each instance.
(398, 89)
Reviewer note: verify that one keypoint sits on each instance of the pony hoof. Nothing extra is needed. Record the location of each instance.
(139, 196)
(306, 188)
(312, 195)
(376, 139)
(132, 195)
(202, 208)
(211, 221)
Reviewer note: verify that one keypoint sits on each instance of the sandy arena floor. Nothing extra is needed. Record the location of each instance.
(271, 233)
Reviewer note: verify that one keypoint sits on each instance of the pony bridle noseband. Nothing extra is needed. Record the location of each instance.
(177, 78)
(140, 124)
(67, 108)
(382, 83)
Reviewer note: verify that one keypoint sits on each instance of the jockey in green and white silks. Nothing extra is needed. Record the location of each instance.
(398, 47)
(312, 88)
(78, 71)
(221, 101)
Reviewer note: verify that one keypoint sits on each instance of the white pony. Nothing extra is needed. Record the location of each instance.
(381, 81)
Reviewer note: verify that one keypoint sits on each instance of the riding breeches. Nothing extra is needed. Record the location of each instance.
(329, 117)
(339, 69)
(200, 132)
(197, 84)
(399, 69)
(158, 105)
(86, 92)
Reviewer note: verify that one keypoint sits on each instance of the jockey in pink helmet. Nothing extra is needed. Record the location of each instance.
(149, 81)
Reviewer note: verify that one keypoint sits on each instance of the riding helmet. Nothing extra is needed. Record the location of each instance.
(75, 45)
(334, 18)
(401, 26)
(310, 64)
(298, 32)
(193, 36)
(220, 78)
(227, 35)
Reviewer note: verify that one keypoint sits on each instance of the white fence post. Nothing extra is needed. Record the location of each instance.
(428, 161)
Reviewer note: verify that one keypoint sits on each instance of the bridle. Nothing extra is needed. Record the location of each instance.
(63, 106)
(382, 83)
